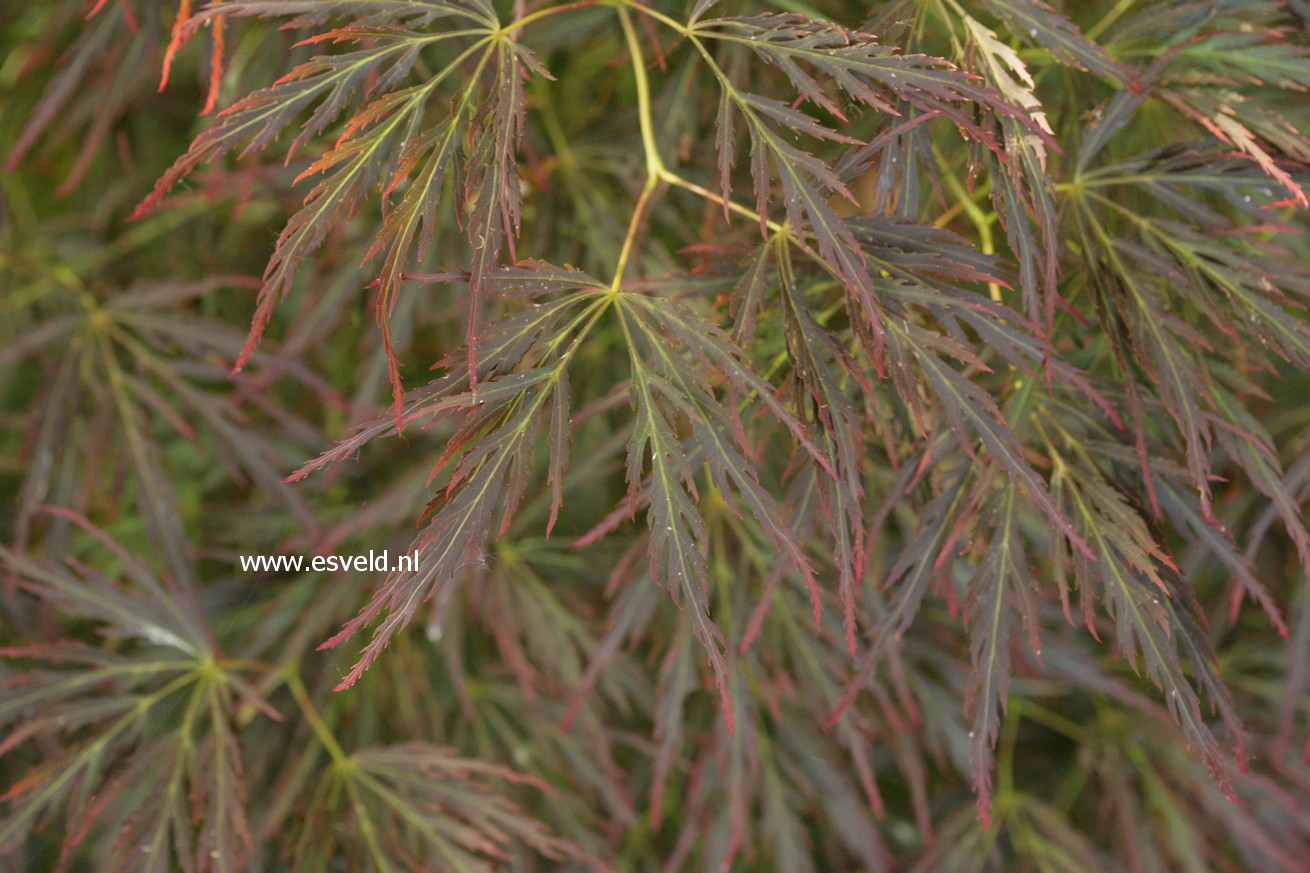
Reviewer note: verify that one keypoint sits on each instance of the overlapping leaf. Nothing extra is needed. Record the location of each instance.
(865, 71)
(1002, 588)
(522, 383)
(129, 358)
(387, 142)
(670, 382)
(147, 758)
(1035, 22)
(1022, 185)
(413, 805)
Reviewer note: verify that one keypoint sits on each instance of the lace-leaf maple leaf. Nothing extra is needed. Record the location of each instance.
(807, 183)
(918, 565)
(1003, 587)
(859, 66)
(522, 384)
(384, 142)
(129, 354)
(971, 414)
(668, 382)
(157, 712)
(1035, 22)
(1022, 185)
(1137, 581)
(867, 72)
(818, 359)
(412, 804)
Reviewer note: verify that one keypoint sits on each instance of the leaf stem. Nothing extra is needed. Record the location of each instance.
(778, 228)
(638, 213)
(654, 166)
(1110, 18)
(644, 115)
(321, 730)
(661, 17)
(656, 170)
(674, 179)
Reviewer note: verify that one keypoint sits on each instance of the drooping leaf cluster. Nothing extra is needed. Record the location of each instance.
(859, 436)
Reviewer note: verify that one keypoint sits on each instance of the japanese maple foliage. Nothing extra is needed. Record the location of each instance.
(860, 436)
